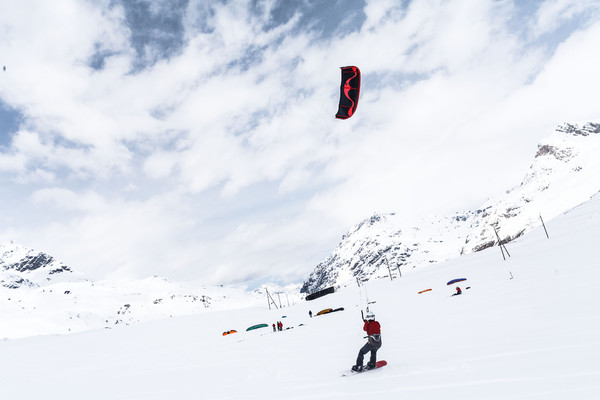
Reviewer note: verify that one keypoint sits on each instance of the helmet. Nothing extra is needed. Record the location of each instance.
(370, 316)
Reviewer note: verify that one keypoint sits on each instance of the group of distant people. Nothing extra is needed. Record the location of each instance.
(278, 326)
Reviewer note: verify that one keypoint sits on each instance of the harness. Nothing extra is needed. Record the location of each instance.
(374, 340)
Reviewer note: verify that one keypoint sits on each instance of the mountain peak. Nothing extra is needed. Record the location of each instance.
(21, 266)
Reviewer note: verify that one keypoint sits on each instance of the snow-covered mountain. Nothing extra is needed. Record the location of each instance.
(563, 174)
(41, 295)
(20, 266)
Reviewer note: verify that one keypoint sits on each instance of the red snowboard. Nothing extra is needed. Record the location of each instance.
(378, 364)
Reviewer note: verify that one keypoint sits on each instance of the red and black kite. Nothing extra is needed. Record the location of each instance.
(349, 91)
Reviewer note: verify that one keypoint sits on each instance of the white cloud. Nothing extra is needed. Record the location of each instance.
(225, 156)
(57, 197)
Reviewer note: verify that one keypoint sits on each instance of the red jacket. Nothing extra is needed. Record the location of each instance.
(372, 328)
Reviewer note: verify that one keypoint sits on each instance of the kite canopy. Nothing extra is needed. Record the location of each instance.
(325, 311)
(453, 281)
(257, 327)
(349, 91)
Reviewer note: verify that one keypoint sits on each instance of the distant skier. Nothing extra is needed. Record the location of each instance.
(310, 313)
(458, 291)
(274, 328)
(373, 329)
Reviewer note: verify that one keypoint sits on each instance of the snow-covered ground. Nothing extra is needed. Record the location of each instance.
(75, 304)
(527, 328)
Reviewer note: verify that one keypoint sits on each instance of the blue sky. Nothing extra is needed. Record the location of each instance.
(197, 140)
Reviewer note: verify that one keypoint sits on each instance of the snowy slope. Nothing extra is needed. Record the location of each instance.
(40, 295)
(564, 173)
(535, 336)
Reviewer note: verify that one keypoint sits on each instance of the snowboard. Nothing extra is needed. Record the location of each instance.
(378, 364)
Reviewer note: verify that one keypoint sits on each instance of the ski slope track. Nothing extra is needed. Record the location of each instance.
(527, 328)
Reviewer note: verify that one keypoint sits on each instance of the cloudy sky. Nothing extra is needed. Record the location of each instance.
(196, 139)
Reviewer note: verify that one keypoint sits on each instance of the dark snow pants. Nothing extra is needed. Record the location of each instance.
(364, 350)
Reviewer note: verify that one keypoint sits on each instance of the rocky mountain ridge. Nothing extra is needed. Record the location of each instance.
(562, 175)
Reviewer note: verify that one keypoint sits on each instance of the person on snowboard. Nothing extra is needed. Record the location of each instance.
(373, 344)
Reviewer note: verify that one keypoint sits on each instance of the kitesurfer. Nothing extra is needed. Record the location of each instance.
(373, 329)
(458, 291)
